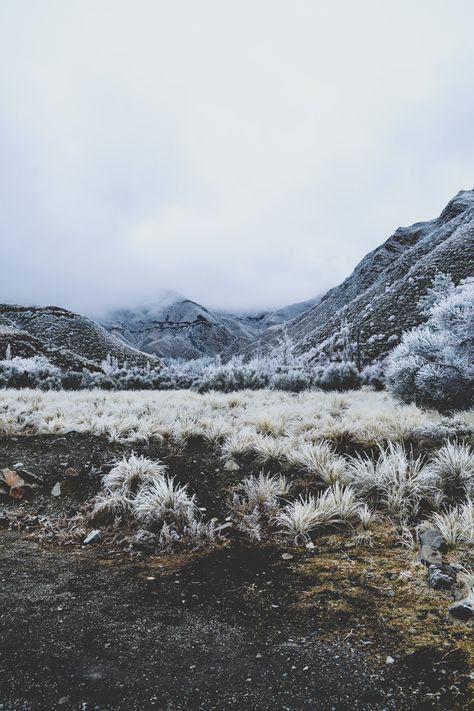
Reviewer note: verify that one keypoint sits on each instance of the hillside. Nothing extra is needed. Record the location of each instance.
(177, 327)
(379, 299)
(68, 340)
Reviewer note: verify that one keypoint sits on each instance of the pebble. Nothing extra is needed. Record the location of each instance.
(93, 537)
(390, 660)
(287, 556)
(56, 490)
(463, 610)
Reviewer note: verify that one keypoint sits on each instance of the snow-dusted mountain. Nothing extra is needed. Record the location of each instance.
(69, 341)
(175, 326)
(379, 300)
(178, 327)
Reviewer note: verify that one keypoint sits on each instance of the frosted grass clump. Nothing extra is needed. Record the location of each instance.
(396, 481)
(256, 503)
(457, 524)
(453, 464)
(128, 475)
(301, 517)
(318, 463)
(163, 501)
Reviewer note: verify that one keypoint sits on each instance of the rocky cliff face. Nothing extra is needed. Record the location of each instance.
(379, 300)
(68, 340)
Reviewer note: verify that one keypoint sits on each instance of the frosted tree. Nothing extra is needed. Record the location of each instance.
(441, 286)
(434, 363)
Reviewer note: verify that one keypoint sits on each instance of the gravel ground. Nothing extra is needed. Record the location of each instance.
(237, 627)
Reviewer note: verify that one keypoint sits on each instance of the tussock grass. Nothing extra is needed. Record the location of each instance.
(278, 432)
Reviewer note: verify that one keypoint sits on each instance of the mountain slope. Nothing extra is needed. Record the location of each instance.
(68, 340)
(178, 327)
(379, 299)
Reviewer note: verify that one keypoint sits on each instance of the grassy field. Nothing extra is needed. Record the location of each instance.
(270, 537)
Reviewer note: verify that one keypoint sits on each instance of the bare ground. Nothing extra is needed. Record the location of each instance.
(237, 627)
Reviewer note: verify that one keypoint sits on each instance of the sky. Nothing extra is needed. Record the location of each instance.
(246, 154)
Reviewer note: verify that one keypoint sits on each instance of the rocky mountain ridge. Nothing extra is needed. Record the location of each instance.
(379, 300)
(178, 327)
(66, 339)
(373, 307)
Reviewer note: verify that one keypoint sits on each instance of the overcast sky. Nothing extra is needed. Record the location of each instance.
(244, 154)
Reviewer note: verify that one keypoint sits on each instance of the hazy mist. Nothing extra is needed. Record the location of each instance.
(246, 155)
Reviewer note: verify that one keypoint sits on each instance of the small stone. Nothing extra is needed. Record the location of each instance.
(145, 540)
(231, 466)
(433, 538)
(64, 700)
(464, 609)
(70, 471)
(430, 556)
(390, 660)
(441, 577)
(56, 490)
(391, 593)
(93, 537)
(287, 556)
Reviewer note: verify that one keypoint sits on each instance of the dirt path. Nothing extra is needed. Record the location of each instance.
(90, 628)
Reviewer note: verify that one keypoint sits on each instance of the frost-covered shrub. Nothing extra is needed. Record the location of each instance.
(448, 427)
(434, 364)
(338, 376)
(231, 376)
(35, 372)
(374, 375)
(294, 381)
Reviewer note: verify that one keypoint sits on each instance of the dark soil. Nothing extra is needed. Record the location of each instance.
(236, 627)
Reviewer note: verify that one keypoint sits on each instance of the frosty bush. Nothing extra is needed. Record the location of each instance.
(35, 372)
(231, 376)
(294, 381)
(338, 376)
(434, 364)
(374, 375)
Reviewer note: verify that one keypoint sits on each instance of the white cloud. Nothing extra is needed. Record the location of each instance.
(245, 154)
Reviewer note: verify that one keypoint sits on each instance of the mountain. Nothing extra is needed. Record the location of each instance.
(285, 314)
(374, 305)
(178, 327)
(379, 300)
(68, 340)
